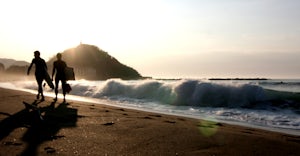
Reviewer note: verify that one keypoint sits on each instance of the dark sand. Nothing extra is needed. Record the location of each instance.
(79, 128)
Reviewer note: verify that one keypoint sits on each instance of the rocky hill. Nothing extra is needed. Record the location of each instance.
(90, 62)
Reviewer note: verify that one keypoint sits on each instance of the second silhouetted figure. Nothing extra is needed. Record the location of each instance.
(59, 67)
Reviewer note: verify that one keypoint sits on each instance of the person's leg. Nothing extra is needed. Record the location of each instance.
(38, 94)
(40, 87)
(56, 88)
(63, 84)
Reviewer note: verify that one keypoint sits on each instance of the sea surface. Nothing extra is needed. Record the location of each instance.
(267, 104)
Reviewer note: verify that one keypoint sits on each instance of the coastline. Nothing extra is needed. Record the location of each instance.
(82, 128)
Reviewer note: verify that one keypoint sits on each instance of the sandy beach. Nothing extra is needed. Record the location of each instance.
(80, 128)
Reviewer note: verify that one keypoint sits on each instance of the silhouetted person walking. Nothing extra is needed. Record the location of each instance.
(59, 67)
(40, 72)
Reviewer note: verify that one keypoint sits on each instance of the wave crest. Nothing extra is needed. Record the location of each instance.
(184, 92)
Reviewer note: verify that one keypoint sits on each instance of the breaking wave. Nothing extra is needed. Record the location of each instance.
(188, 93)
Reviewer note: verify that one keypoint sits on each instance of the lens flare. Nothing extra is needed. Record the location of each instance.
(208, 128)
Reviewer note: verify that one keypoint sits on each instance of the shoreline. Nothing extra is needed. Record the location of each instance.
(82, 128)
(236, 123)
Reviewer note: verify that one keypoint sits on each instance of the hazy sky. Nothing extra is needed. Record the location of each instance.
(162, 38)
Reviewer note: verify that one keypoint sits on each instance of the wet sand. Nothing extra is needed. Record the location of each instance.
(80, 128)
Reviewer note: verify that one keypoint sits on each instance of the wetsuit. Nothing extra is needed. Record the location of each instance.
(40, 71)
(60, 66)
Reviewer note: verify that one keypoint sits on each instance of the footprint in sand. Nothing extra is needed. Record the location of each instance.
(108, 123)
(121, 110)
(156, 116)
(57, 137)
(49, 150)
(9, 143)
(170, 121)
(147, 117)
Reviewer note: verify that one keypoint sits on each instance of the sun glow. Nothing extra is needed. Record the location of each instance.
(54, 26)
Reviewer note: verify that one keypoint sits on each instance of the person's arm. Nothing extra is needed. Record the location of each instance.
(45, 65)
(29, 68)
(53, 70)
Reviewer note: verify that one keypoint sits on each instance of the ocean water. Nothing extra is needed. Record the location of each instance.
(267, 104)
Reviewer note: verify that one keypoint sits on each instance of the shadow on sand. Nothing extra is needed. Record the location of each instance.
(39, 131)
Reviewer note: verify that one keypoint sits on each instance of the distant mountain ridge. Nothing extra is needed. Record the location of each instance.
(11, 62)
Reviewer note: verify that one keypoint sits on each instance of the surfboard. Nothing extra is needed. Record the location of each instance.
(69, 72)
(49, 80)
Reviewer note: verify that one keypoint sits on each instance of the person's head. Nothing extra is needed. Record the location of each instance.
(58, 56)
(37, 54)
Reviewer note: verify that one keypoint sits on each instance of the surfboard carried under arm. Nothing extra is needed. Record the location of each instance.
(49, 80)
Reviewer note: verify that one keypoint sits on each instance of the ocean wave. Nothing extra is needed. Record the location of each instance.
(189, 93)
(185, 93)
